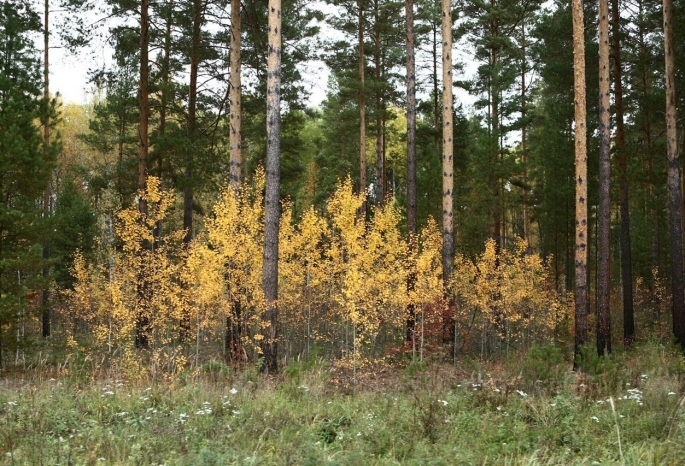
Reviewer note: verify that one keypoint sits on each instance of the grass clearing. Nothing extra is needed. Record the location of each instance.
(527, 411)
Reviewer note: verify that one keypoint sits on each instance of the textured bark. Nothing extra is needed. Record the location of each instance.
(626, 255)
(142, 318)
(674, 195)
(235, 136)
(581, 249)
(411, 155)
(447, 156)
(272, 194)
(233, 324)
(188, 194)
(604, 213)
(524, 147)
(380, 153)
(362, 106)
(45, 296)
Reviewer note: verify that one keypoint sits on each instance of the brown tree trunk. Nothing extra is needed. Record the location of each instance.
(233, 323)
(604, 212)
(142, 318)
(235, 141)
(674, 214)
(524, 147)
(447, 161)
(380, 156)
(581, 248)
(45, 297)
(411, 158)
(272, 194)
(192, 123)
(362, 107)
(626, 255)
(436, 105)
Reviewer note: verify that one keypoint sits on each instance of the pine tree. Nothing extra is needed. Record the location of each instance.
(272, 196)
(26, 163)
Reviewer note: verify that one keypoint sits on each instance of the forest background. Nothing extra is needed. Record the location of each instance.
(137, 227)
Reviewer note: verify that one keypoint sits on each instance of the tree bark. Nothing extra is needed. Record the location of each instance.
(272, 194)
(45, 297)
(411, 158)
(235, 141)
(233, 324)
(380, 155)
(581, 248)
(362, 107)
(142, 318)
(447, 159)
(604, 213)
(626, 254)
(674, 195)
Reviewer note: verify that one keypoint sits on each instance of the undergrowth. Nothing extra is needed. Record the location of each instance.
(526, 410)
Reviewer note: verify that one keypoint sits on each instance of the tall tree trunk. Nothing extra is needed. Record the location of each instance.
(45, 297)
(235, 141)
(524, 148)
(411, 159)
(581, 247)
(362, 107)
(188, 192)
(192, 123)
(142, 318)
(674, 213)
(604, 213)
(436, 90)
(272, 194)
(447, 160)
(380, 156)
(626, 255)
(233, 324)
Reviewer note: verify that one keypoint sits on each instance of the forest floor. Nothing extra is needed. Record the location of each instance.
(532, 409)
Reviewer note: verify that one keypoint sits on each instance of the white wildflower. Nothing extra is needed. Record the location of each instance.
(233, 391)
(595, 418)
(522, 393)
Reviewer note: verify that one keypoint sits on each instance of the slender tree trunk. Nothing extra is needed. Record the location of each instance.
(524, 147)
(188, 192)
(604, 213)
(233, 324)
(362, 107)
(192, 123)
(581, 248)
(235, 138)
(272, 194)
(674, 214)
(142, 318)
(411, 159)
(447, 161)
(380, 156)
(626, 255)
(436, 90)
(45, 298)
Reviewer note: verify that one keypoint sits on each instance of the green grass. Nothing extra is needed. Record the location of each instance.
(527, 411)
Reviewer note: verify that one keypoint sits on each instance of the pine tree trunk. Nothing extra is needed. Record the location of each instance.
(581, 246)
(447, 160)
(362, 107)
(524, 148)
(233, 322)
(411, 159)
(192, 123)
(142, 318)
(235, 137)
(626, 255)
(380, 156)
(604, 213)
(674, 213)
(45, 297)
(272, 194)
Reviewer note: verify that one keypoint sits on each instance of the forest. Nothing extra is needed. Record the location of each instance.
(487, 187)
